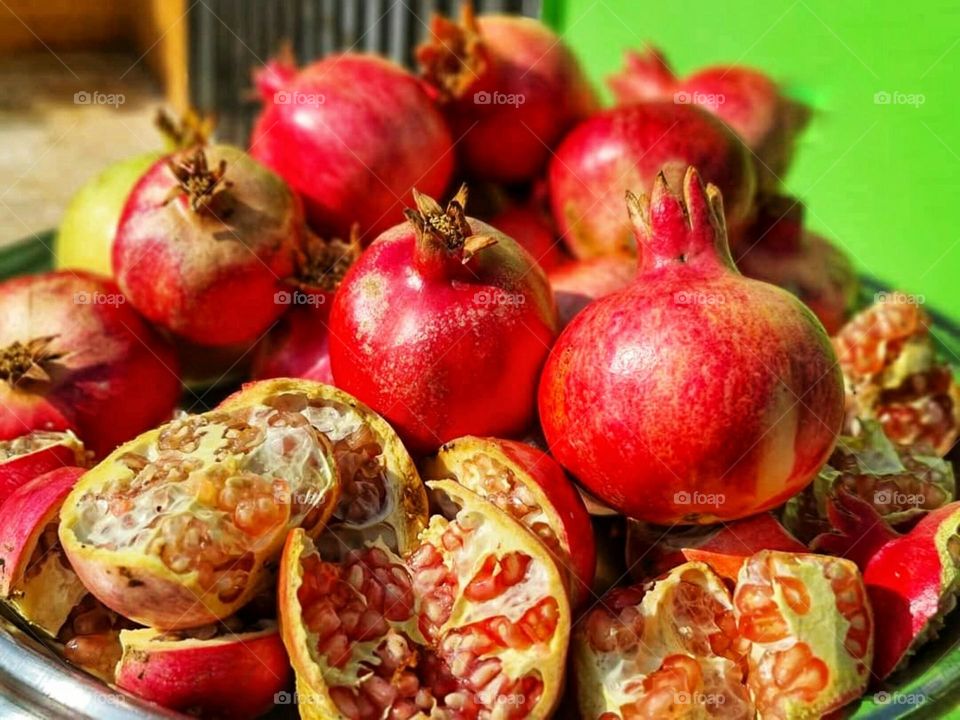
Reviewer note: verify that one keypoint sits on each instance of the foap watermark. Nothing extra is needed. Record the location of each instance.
(697, 297)
(498, 297)
(484, 97)
(98, 298)
(298, 297)
(899, 298)
(699, 698)
(86, 97)
(682, 97)
(898, 698)
(895, 97)
(699, 499)
(898, 499)
(294, 97)
(511, 699)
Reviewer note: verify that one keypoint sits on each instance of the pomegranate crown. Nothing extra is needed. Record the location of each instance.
(646, 76)
(323, 263)
(672, 229)
(447, 229)
(196, 180)
(190, 130)
(29, 361)
(455, 57)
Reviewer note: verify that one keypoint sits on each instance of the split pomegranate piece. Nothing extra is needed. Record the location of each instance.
(531, 487)
(35, 577)
(299, 345)
(695, 394)
(442, 326)
(667, 649)
(90, 638)
(73, 355)
(178, 528)
(626, 147)
(892, 374)
(214, 671)
(577, 284)
(901, 482)
(205, 238)
(473, 623)
(747, 100)
(509, 87)
(912, 580)
(811, 632)
(653, 550)
(381, 497)
(38, 452)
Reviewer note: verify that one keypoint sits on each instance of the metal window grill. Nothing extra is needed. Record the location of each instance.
(229, 38)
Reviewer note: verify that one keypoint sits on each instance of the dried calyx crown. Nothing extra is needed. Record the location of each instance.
(197, 181)
(190, 130)
(323, 263)
(673, 229)
(447, 228)
(455, 58)
(29, 361)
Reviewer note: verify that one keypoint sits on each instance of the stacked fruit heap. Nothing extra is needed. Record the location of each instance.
(203, 561)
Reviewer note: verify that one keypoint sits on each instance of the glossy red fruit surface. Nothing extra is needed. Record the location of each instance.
(625, 148)
(442, 327)
(749, 101)
(204, 240)
(530, 486)
(74, 355)
(508, 83)
(38, 452)
(679, 398)
(352, 134)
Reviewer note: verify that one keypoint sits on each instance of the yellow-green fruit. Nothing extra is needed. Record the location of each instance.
(86, 233)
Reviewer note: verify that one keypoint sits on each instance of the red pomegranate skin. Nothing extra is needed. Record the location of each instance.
(578, 283)
(510, 88)
(624, 148)
(299, 345)
(115, 377)
(747, 100)
(209, 277)
(533, 229)
(439, 347)
(353, 134)
(696, 394)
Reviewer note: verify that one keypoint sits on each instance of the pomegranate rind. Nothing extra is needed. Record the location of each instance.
(828, 633)
(43, 594)
(193, 675)
(133, 580)
(613, 678)
(38, 452)
(405, 512)
(555, 501)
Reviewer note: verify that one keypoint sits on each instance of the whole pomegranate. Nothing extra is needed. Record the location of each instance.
(442, 327)
(510, 89)
(204, 240)
(625, 148)
(299, 345)
(695, 394)
(749, 101)
(75, 356)
(352, 134)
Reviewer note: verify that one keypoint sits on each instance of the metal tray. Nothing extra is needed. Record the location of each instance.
(36, 683)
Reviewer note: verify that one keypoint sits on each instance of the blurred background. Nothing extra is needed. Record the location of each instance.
(80, 81)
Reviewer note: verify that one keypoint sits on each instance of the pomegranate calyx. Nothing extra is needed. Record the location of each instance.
(646, 75)
(323, 263)
(444, 232)
(455, 58)
(29, 360)
(680, 230)
(190, 130)
(202, 186)
(276, 73)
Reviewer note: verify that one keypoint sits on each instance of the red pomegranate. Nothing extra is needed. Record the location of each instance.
(75, 356)
(203, 242)
(442, 327)
(695, 394)
(510, 89)
(533, 229)
(352, 134)
(779, 250)
(625, 148)
(749, 101)
(577, 284)
(299, 345)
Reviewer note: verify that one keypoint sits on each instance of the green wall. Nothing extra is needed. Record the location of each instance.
(882, 180)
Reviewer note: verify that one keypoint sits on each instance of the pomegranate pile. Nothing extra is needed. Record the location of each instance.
(534, 408)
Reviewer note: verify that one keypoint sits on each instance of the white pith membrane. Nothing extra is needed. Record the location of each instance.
(465, 627)
(811, 632)
(215, 493)
(668, 649)
(37, 440)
